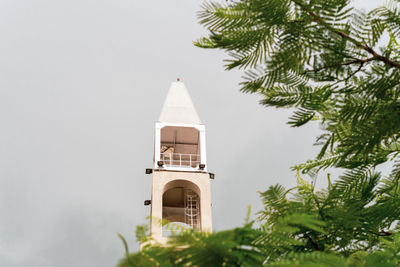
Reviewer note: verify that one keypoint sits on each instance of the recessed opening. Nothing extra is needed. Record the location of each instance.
(181, 204)
(180, 147)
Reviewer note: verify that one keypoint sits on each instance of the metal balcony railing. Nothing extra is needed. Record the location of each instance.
(180, 160)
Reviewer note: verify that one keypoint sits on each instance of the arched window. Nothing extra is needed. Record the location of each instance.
(181, 203)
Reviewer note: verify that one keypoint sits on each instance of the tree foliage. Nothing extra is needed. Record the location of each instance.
(324, 59)
(347, 224)
(335, 65)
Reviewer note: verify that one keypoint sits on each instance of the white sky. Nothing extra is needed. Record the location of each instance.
(81, 84)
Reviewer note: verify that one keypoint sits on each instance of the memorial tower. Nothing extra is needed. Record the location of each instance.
(180, 180)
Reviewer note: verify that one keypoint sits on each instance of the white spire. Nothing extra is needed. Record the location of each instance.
(178, 106)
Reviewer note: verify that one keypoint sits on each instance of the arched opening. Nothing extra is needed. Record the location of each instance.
(181, 204)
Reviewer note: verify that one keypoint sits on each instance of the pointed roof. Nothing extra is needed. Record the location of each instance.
(178, 106)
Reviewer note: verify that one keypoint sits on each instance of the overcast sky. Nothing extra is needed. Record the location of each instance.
(81, 84)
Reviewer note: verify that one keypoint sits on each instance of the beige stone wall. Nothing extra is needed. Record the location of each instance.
(161, 179)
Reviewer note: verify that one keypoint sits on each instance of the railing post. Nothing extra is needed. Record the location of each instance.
(180, 160)
(190, 160)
